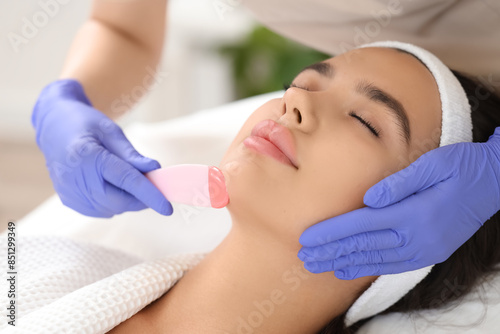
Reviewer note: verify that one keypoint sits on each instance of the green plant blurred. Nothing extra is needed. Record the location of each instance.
(264, 61)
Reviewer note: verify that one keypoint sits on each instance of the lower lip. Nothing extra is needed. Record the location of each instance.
(265, 147)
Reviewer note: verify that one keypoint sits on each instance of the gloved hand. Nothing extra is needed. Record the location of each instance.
(94, 168)
(414, 218)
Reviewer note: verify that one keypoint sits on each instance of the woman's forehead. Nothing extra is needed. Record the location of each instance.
(400, 74)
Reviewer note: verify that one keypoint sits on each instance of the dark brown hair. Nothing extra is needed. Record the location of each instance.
(470, 264)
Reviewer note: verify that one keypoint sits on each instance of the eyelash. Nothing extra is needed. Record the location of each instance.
(286, 86)
(366, 123)
(369, 125)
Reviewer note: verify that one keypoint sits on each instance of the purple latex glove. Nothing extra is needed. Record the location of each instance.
(416, 217)
(93, 167)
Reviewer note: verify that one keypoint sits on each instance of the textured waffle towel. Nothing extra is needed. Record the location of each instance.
(73, 287)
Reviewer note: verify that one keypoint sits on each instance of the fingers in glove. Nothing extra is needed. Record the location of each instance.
(372, 241)
(367, 258)
(356, 271)
(363, 220)
(429, 169)
(372, 270)
(123, 176)
(115, 141)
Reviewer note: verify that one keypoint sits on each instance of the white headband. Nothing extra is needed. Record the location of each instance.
(456, 126)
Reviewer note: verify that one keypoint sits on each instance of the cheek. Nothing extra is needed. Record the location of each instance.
(339, 172)
(239, 167)
(258, 186)
(264, 193)
(339, 165)
(269, 110)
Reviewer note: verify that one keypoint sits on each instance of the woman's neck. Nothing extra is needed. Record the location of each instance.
(253, 283)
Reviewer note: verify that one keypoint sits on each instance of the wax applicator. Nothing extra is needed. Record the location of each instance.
(197, 185)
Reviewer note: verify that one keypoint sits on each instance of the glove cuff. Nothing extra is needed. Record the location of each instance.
(59, 89)
(494, 149)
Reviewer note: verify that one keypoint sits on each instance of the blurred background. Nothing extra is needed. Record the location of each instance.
(214, 53)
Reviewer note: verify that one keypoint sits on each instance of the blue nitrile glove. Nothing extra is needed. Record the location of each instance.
(94, 168)
(416, 217)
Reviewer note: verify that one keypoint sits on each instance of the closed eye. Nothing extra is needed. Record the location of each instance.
(366, 123)
(375, 132)
(286, 86)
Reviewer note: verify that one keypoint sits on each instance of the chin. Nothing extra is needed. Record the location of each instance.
(261, 208)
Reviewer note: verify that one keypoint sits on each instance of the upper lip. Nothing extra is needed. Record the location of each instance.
(279, 135)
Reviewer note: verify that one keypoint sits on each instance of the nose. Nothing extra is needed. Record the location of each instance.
(297, 110)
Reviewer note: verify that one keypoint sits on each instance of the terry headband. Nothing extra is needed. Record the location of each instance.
(456, 126)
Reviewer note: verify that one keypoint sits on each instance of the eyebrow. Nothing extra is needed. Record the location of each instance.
(373, 93)
(376, 94)
(325, 69)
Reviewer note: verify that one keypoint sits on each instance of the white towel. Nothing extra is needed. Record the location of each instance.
(64, 286)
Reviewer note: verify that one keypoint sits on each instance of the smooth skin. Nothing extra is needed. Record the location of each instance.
(111, 55)
(112, 51)
(272, 203)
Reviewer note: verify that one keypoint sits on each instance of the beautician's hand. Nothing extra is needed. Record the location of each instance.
(94, 168)
(415, 218)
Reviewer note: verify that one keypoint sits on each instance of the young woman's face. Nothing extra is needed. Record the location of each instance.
(344, 125)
